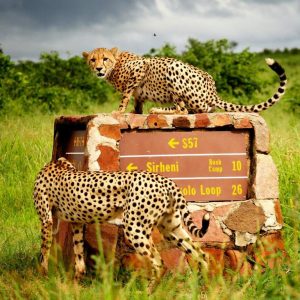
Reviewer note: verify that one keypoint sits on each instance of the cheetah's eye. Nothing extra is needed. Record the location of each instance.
(93, 59)
(105, 59)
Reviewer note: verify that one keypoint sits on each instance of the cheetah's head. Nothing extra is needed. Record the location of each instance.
(102, 60)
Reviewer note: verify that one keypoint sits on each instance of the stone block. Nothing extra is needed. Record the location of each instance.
(237, 261)
(63, 243)
(105, 235)
(181, 122)
(269, 250)
(95, 140)
(108, 159)
(136, 121)
(246, 218)
(110, 131)
(273, 214)
(242, 123)
(261, 134)
(278, 212)
(220, 120)
(121, 119)
(131, 261)
(157, 121)
(216, 260)
(215, 233)
(242, 239)
(265, 185)
(174, 259)
(202, 121)
(95, 234)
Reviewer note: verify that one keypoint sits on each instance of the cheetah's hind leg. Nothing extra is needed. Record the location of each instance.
(80, 268)
(46, 231)
(145, 247)
(173, 231)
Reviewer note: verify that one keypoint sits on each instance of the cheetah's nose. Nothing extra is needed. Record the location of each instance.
(99, 69)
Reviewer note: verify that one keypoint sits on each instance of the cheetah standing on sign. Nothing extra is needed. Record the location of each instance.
(145, 200)
(167, 80)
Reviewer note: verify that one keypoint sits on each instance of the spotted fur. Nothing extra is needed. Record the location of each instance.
(167, 80)
(144, 199)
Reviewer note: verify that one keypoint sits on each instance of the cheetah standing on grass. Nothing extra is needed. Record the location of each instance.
(167, 80)
(145, 200)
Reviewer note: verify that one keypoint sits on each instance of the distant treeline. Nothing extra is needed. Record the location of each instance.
(292, 51)
(54, 84)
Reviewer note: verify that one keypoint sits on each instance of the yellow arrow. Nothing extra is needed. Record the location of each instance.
(173, 143)
(131, 167)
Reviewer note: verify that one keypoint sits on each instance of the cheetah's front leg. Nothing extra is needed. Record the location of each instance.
(136, 73)
(124, 102)
(78, 250)
(138, 106)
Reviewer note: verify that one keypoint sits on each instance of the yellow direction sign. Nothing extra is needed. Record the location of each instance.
(173, 143)
(131, 167)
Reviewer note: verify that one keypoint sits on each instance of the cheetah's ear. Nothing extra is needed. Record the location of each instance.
(85, 54)
(115, 51)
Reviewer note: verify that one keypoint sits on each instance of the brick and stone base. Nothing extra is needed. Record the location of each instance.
(242, 233)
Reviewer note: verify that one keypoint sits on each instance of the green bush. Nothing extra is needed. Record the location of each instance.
(49, 85)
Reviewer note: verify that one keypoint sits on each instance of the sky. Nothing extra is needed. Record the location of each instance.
(30, 27)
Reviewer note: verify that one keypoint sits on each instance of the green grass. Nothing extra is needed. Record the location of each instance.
(26, 145)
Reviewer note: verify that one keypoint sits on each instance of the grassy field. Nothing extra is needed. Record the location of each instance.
(26, 145)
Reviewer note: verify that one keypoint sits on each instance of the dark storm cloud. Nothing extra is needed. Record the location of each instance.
(29, 27)
(67, 13)
(266, 1)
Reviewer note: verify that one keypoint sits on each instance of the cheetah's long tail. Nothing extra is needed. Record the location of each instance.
(276, 67)
(187, 218)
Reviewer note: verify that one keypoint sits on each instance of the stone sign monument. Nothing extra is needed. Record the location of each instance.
(220, 161)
